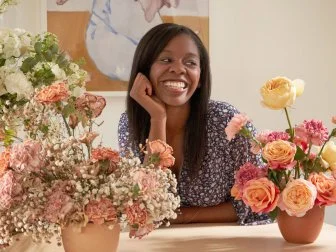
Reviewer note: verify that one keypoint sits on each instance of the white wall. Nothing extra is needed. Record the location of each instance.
(251, 42)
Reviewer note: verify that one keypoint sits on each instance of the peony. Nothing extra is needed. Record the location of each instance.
(53, 93)
(237, 122)
(298, 197)
(279, 154)
(93, 105)
(162, 153)
(326, 189)
(100, 211)
(27, 156)
(17, 83)
(136, 215)
(329, 154)
(4, 161)
(278, 93)
(261, 195)
(312, 131)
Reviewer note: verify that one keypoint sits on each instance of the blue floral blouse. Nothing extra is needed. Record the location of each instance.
(222, 158)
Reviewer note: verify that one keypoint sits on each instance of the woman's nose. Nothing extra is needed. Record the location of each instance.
(177, 67)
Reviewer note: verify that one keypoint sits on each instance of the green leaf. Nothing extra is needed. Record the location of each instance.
(28, 64)
(300, 154)
(38, 47)
(54, 48)
(69, 109)
(136, 190)
(48, 55)
(2, 62)
(273, 214)
(44, 129)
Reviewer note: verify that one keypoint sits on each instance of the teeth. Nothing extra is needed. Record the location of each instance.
(173, 84)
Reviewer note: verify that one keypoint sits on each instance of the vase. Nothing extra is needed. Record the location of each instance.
(93, 237)
(301, 230)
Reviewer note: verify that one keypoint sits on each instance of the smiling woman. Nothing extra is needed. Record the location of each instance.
(169, 99)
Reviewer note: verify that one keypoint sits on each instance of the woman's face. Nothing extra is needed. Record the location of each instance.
(176, 72)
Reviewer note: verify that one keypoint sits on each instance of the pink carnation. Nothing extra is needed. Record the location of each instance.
(312, 131)
(147, 182)
(27, 156)
(4, 161)
(10, 189)
(93, 105)
(237, 122)
(136, 215)
(104, 153)
(53, 93)
(161, 153)
(247, 172)
(141, 231)
(59, 203)
(100, 211)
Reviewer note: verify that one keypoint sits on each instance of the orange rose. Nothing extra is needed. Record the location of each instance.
(4, 161)
(326, 189)
(261, 195)
(236, 193)
(298, 197)
(53, 93)
(161, 153)
(279, 154)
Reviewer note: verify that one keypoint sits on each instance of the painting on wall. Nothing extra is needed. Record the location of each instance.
(105, 33)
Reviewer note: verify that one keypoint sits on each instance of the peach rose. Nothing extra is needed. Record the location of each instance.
(236, 193)
(326, 188)
(298, 197)
(279, 154)
(161, 153)
(4, 161)
(278, 93)
(53, 93)
(261, 195)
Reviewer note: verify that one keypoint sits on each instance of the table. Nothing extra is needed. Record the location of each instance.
(207, 238)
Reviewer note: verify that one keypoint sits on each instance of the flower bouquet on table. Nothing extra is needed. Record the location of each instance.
(52, 174)
(299, 169)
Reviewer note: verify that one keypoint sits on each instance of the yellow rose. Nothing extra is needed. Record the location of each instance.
(298, 197)
(299, 86)
(329, 154)
(279, 154)
(278, 93)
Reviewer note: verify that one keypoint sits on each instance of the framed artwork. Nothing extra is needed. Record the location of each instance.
(105, 33)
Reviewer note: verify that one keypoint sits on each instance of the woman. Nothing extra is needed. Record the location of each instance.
(168, 99)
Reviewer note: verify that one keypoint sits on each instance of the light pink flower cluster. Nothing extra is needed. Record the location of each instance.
(265, 137)
(147, 182)
(99, 211)
(162, 153)
(9, 190)
(59, 203)
(57, 91)
(235, 125)
(93, 105)
(312, 131)
(27, 156)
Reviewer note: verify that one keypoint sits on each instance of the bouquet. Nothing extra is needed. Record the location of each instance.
(299, 168)
(52, 173)
(4, 4)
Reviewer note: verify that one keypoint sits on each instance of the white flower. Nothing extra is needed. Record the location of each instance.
(58, 72)
(17, 83)
(77, 91)
(11, 47)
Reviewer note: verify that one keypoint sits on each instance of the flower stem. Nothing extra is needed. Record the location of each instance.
(291, 131)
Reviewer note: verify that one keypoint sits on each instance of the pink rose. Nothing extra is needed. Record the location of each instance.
(10, 190)
(92, 105)
(161, 154)
(141, 231)
(312, 131)
(147, 182)
(237, 122)
(100, 211)
(298, 197)
(4, 161)
(27, 156)
(326, 189)
(53, 93)
(261, 195)
(279, 154)
(136, 215)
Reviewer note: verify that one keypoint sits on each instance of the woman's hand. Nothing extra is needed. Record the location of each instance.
(142, 92)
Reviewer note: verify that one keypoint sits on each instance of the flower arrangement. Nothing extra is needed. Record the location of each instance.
(299, 168)
(4, 4)
(52, 174)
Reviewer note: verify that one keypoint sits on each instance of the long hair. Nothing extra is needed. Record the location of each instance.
(148, 49)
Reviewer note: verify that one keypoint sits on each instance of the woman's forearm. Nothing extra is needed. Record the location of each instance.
(215, 214)
(157, 130)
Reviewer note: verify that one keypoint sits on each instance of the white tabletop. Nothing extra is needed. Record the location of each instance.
(207, 238)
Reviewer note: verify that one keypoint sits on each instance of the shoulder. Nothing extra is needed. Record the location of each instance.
(220, 112)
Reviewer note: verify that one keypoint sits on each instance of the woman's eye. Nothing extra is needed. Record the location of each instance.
(191, 63)
(165, 60)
